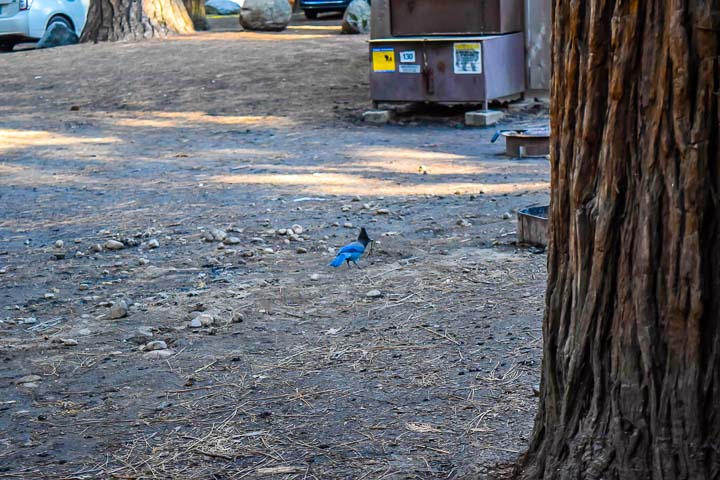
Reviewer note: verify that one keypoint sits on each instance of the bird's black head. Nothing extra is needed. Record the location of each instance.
(363, 237)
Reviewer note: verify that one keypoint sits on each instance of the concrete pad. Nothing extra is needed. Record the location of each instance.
(378, 117)
(482, 118)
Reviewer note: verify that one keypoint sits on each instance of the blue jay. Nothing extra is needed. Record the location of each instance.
(353, 251)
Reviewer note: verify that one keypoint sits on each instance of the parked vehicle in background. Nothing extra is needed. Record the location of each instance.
(313, 7)
(27, 20)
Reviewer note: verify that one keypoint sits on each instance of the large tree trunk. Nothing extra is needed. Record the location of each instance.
(631, 368)
(112, 20)
(196, 9)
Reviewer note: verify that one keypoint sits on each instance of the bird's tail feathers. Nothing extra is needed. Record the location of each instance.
(339, 260)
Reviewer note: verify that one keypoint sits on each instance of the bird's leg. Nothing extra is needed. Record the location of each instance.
(348, 263)
(358, 266)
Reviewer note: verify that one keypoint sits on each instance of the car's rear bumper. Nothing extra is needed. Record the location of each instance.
(15, 27)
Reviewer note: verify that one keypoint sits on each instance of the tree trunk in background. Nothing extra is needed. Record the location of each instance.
(631, 367)
(196, 9)
(112, 20)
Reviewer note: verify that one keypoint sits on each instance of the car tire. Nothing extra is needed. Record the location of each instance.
(7, 46)
(311, 15)
(62, 20)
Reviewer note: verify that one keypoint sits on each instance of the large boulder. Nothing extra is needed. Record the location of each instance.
(57, 35)
(273, 15)
(357, 17)
(222, 7)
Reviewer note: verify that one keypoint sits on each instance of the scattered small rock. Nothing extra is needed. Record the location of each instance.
(302, 250)
(143, 261)
(69, 342)
(314, 277)
(158, 354)
(464, 223)
(231, 241)
(382, 211)
(145, 332)
(153, 243)
(97, 248)
(237, 317)
(59, 244)
(507, 216)
(155, 345)
(348, 225)
(374, 294)
(205, 320)
(195, 323)
(217, 234)
(118, 310)
(131, 242)
(114, 245)
(297, 229)
(346, 208)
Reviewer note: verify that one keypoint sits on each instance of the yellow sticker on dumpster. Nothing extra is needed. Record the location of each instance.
(383, 60)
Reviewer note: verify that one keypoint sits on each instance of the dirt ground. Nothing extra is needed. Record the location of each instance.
(421, 365)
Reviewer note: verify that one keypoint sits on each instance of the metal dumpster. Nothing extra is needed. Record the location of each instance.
(449, 51)
(447, 69)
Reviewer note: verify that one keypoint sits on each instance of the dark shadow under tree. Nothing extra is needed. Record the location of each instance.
(631, 367)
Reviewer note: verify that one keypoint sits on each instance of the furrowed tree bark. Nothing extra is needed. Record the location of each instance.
(113, 20)
(631, 368)
(196, 9)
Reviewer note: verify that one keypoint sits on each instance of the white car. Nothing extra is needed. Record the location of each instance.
(27, 20)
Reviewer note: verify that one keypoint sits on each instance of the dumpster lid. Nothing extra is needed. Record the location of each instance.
(443, 38)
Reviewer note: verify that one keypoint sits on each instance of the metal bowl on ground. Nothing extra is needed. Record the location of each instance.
(533, 226)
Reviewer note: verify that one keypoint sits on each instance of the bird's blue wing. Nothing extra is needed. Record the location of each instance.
(355, 247)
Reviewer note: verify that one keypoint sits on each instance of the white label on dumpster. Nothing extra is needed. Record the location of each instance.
(409, 68)
(467, 58)
(408, 56)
